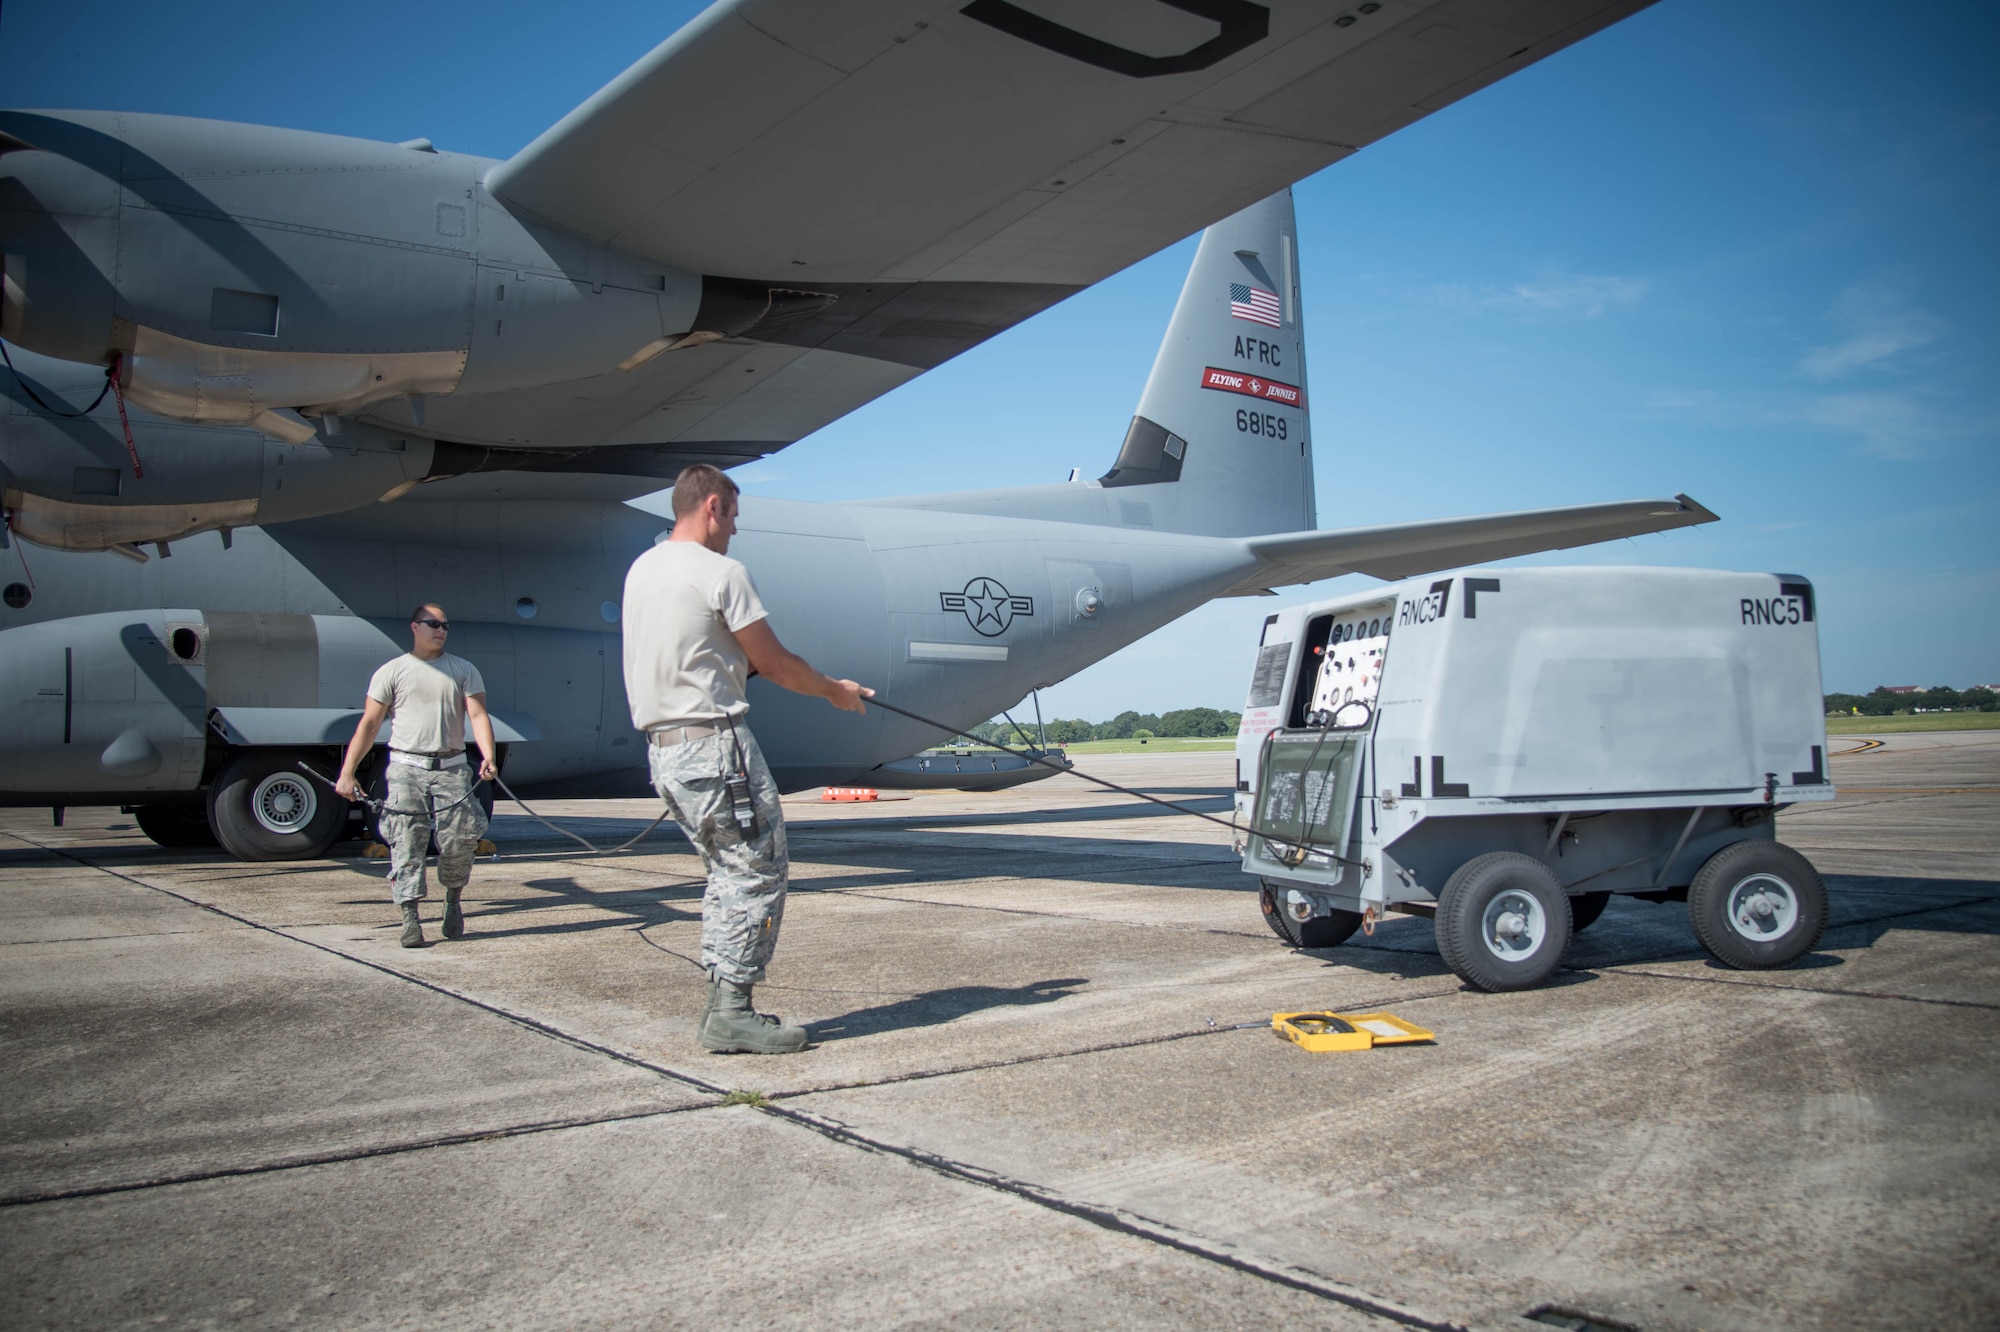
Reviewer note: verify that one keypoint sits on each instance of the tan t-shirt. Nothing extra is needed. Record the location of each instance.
(683, 606)
(426, 701)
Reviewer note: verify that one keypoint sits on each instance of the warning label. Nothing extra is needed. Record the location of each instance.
(1252, 386)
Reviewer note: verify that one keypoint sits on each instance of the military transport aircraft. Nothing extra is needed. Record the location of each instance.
(365, 374)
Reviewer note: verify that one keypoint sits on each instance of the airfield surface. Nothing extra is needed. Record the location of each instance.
(232, 1100)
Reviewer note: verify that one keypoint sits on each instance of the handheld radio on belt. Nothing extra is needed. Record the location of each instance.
(742, 808)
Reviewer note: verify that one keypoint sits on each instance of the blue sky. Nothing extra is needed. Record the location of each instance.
(1739, 250)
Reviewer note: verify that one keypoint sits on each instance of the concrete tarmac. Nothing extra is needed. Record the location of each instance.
(232, 1100)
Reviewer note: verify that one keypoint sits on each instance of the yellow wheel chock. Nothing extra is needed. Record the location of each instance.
(1325, 1032)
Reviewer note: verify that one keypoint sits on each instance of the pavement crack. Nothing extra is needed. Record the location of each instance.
(1135, 1043)
(1120, 1221)
(1799, 989)
(305, 1161)
(498, 1010)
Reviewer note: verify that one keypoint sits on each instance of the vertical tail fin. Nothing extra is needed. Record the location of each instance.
(1222, 442)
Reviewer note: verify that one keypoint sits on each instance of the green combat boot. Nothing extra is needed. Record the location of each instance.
(731, 1026)
(413, 929)
(453, 925)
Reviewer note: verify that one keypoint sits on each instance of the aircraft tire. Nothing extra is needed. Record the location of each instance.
(263, 808)
(1585, 908)
(1503, 922)
(174, 828)
(1757, 906)
(1328, 931)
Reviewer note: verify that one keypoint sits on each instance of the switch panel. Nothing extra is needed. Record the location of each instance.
(1350, 668)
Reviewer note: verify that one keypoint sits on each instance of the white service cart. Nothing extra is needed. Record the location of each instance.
(1505, 749)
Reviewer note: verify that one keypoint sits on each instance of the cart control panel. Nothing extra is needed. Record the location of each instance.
(1350, 668)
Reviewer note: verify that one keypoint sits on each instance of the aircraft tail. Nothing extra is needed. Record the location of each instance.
(1222, 442)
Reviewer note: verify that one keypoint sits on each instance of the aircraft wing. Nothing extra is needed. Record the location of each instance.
(872, 187)
(1404, 550)
(797, 144)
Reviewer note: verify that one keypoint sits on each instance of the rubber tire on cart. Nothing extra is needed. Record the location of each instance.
(1585, 908)
(1503, 922)
(174, 828)
(263, 808)
(1329, 931)
(1757, 906)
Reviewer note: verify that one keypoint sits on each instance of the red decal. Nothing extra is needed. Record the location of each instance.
(1252, 386)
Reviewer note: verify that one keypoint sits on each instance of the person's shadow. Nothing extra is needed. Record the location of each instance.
(935, 1007)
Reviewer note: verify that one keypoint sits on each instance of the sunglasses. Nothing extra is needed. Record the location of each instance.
(435, 624)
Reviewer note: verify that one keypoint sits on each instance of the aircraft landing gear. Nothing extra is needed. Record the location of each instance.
(263, 808)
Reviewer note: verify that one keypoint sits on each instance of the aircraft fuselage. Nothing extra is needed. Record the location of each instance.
(131, 674)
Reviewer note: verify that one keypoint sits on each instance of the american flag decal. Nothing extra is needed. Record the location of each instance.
(1254, 304)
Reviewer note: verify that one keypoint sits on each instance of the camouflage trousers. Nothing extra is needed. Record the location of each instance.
(745, 901)
(458, 829)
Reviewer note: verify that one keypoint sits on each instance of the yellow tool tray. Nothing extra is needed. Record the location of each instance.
(1322, 1032)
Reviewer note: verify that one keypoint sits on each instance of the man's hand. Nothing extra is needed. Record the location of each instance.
(373, 713)
(487, 771)
(847, 695)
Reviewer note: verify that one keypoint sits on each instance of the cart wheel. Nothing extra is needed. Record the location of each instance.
(1320, 932)
(1757, 906)
(1503, 922)
(1585, 908)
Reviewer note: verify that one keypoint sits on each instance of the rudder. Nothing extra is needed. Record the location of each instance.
(1221, 444)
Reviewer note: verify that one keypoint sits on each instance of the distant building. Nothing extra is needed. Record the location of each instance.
(1902, 689)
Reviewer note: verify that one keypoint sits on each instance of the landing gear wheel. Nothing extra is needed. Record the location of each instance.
(263, 808)
(1757, 906)
(174, 828)
(1585, 908)
(1328, 931)
(1503, 922)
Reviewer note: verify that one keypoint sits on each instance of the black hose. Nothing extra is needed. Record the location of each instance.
(880, 702)
(381, 807)
(29, 389)
(1230, 824)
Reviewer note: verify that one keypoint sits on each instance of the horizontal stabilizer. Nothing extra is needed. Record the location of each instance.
(1404, 550)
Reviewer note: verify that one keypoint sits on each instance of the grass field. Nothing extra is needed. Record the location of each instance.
(1925, 721)
(1156, 746)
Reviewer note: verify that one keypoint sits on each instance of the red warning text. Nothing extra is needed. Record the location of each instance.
(1252, 386)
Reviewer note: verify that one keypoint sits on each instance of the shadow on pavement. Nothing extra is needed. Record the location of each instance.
(935, 1007)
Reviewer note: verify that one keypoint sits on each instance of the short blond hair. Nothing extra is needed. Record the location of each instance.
(696, 483)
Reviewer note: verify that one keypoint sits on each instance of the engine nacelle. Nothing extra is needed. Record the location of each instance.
(69, 483)
(58, 248)
(250, 276)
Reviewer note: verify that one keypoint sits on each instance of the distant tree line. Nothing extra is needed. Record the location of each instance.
(1180, 724)
(1881, 702)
